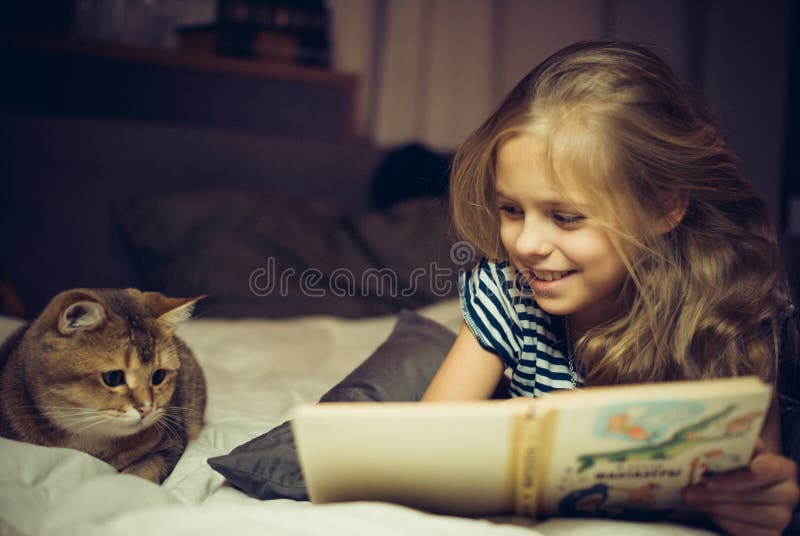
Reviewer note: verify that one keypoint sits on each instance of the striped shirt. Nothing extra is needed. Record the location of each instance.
(500, 310)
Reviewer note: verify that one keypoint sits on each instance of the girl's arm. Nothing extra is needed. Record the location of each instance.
(468, 372)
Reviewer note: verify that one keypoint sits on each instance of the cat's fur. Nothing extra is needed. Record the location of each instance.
(60, 379)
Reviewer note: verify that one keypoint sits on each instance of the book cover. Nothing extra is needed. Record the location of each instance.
(623, 451)
(628, 453)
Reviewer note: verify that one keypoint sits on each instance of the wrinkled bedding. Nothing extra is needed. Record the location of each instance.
(257, 370)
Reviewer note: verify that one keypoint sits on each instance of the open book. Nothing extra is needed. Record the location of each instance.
(622, 451)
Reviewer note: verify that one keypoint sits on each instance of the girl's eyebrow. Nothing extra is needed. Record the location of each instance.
(500, 193)
(552, 203)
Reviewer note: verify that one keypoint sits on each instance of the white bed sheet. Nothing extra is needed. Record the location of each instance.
(257, 372)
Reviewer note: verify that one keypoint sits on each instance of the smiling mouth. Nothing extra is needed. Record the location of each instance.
(551, 276)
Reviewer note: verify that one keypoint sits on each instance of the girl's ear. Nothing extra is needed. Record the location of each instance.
(676, 210)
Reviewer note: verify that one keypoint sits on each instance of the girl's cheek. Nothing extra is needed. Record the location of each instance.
(508, 236)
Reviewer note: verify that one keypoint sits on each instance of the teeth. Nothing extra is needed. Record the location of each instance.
(549, 276)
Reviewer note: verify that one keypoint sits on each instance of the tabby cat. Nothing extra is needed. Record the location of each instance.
(102, 371)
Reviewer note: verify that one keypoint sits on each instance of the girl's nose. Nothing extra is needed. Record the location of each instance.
(533, 241)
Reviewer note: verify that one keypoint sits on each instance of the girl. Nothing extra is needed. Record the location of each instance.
(622, 245)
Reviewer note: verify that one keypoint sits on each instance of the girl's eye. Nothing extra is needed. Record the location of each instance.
(158, 376)
(113, 378)
(510, 210)
(567, 219)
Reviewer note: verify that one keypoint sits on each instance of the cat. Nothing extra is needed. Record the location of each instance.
(102, 371)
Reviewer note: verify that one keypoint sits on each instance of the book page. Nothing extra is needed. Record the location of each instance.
(630, 456)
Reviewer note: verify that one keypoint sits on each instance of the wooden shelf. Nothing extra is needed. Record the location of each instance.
(254, 67)
(74, 77)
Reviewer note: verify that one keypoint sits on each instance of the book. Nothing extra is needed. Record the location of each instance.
(293, 30)
(622, 451)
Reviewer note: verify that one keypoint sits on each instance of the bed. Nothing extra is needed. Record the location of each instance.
(258, 370)
(225, 214)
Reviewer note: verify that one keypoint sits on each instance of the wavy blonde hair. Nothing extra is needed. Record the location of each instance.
(707, 296)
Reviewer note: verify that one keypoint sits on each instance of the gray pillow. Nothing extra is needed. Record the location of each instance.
(400, 369)
(269, 255)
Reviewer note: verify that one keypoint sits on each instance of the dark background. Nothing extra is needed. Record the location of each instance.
(84, 130)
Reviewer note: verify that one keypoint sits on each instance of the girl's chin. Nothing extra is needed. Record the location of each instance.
(553, 307)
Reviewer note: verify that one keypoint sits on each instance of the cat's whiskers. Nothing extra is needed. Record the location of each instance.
(42, 411)
(78, 425)
(89, 425)
(51, 407)
(78, 420)
(43, 415)
(182, 409)
(170, 429)
(179, 418)
(178, 411)
(66, 413)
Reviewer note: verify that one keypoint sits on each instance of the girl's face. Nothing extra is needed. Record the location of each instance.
(566, 257)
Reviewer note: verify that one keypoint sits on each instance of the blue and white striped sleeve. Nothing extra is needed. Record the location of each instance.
(487, 309)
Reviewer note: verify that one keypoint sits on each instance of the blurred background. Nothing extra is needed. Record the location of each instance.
(269, 92)
(431, 70)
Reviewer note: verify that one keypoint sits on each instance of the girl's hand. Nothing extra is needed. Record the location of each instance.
(758, 500)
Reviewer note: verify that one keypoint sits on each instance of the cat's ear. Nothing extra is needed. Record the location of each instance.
(81, 315)
(170, 311)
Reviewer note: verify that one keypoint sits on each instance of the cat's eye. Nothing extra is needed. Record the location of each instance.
(113, 378)
(158, 376)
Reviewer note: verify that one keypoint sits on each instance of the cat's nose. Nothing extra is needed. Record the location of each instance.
(144, 411)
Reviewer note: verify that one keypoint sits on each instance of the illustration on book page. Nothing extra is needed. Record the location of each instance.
(635, 457)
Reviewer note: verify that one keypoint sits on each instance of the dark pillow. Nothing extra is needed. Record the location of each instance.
(400, 369)
(269, 255)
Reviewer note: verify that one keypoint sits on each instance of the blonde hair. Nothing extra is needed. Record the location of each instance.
(705, 298)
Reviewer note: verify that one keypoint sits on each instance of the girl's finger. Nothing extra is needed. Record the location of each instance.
(772, 517)
(783, 493)
(765, 470)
